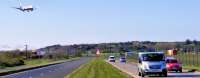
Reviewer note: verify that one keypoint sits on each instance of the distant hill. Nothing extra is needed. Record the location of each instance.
(186, 46)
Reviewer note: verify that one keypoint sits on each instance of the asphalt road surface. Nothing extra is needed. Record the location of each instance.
(54, 71)
(131, 69)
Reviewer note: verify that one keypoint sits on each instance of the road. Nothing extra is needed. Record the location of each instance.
(54, 71)
(131, 69)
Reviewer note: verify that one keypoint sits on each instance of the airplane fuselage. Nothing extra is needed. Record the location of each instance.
(28, 8)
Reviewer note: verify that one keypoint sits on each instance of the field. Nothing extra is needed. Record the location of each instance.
(98, 68)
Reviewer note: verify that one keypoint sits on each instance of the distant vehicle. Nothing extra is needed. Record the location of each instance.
(122, 59)
(111, 59)
(173, 65)
(24, 8)
(152, 63)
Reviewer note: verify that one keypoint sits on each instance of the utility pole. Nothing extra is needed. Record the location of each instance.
(26, 50)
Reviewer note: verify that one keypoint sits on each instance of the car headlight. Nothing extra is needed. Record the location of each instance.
(145, 66)
(167, 66)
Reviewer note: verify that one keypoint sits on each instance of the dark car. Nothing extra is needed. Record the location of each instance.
(122, 59)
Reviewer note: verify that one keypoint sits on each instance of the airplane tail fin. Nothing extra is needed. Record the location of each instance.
(20, 4)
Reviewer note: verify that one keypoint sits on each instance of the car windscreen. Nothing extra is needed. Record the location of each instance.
(123, 58)
(153, 57)
(172, 61)
(112, 57)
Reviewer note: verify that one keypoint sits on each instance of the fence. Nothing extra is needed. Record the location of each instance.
(189, 58)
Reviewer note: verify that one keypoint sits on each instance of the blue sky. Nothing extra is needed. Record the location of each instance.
(96, 21)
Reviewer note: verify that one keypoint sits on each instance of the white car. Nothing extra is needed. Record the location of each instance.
(111, 59)
(152, 63)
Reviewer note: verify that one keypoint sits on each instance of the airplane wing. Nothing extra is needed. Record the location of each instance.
(18, 8)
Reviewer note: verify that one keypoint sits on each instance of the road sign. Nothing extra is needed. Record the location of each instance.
(172, 52)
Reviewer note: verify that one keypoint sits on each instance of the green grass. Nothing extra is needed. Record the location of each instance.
(191, 68)
(37, 61)
(98, 68)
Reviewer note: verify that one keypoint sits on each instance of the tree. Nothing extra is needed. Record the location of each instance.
(165, 46)
(188, 41)
(195, 42)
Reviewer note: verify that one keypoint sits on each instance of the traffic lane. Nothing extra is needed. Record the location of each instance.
(131, 68)
(54, 71)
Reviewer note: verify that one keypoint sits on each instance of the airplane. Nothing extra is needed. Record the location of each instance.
(25, 8)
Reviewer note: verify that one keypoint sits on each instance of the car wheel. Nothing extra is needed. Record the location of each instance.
(139, 74)
(165, 74)
(180, 71)
(142, 74)
(160, 74)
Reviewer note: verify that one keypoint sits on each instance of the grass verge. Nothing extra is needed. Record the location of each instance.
(192, 68)
(98, 68)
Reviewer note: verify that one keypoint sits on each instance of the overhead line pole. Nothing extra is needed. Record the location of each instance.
(26, 50)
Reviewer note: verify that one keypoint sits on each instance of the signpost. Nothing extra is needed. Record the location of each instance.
(171, 52)
(98, 53)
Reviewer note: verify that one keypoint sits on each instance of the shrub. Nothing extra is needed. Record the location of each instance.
(66, 57)
(6, 60)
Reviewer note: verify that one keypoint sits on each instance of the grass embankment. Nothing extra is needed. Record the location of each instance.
(35, 63)
(98, 68)
(192, 68)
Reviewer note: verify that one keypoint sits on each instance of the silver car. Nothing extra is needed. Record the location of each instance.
(152, 63)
